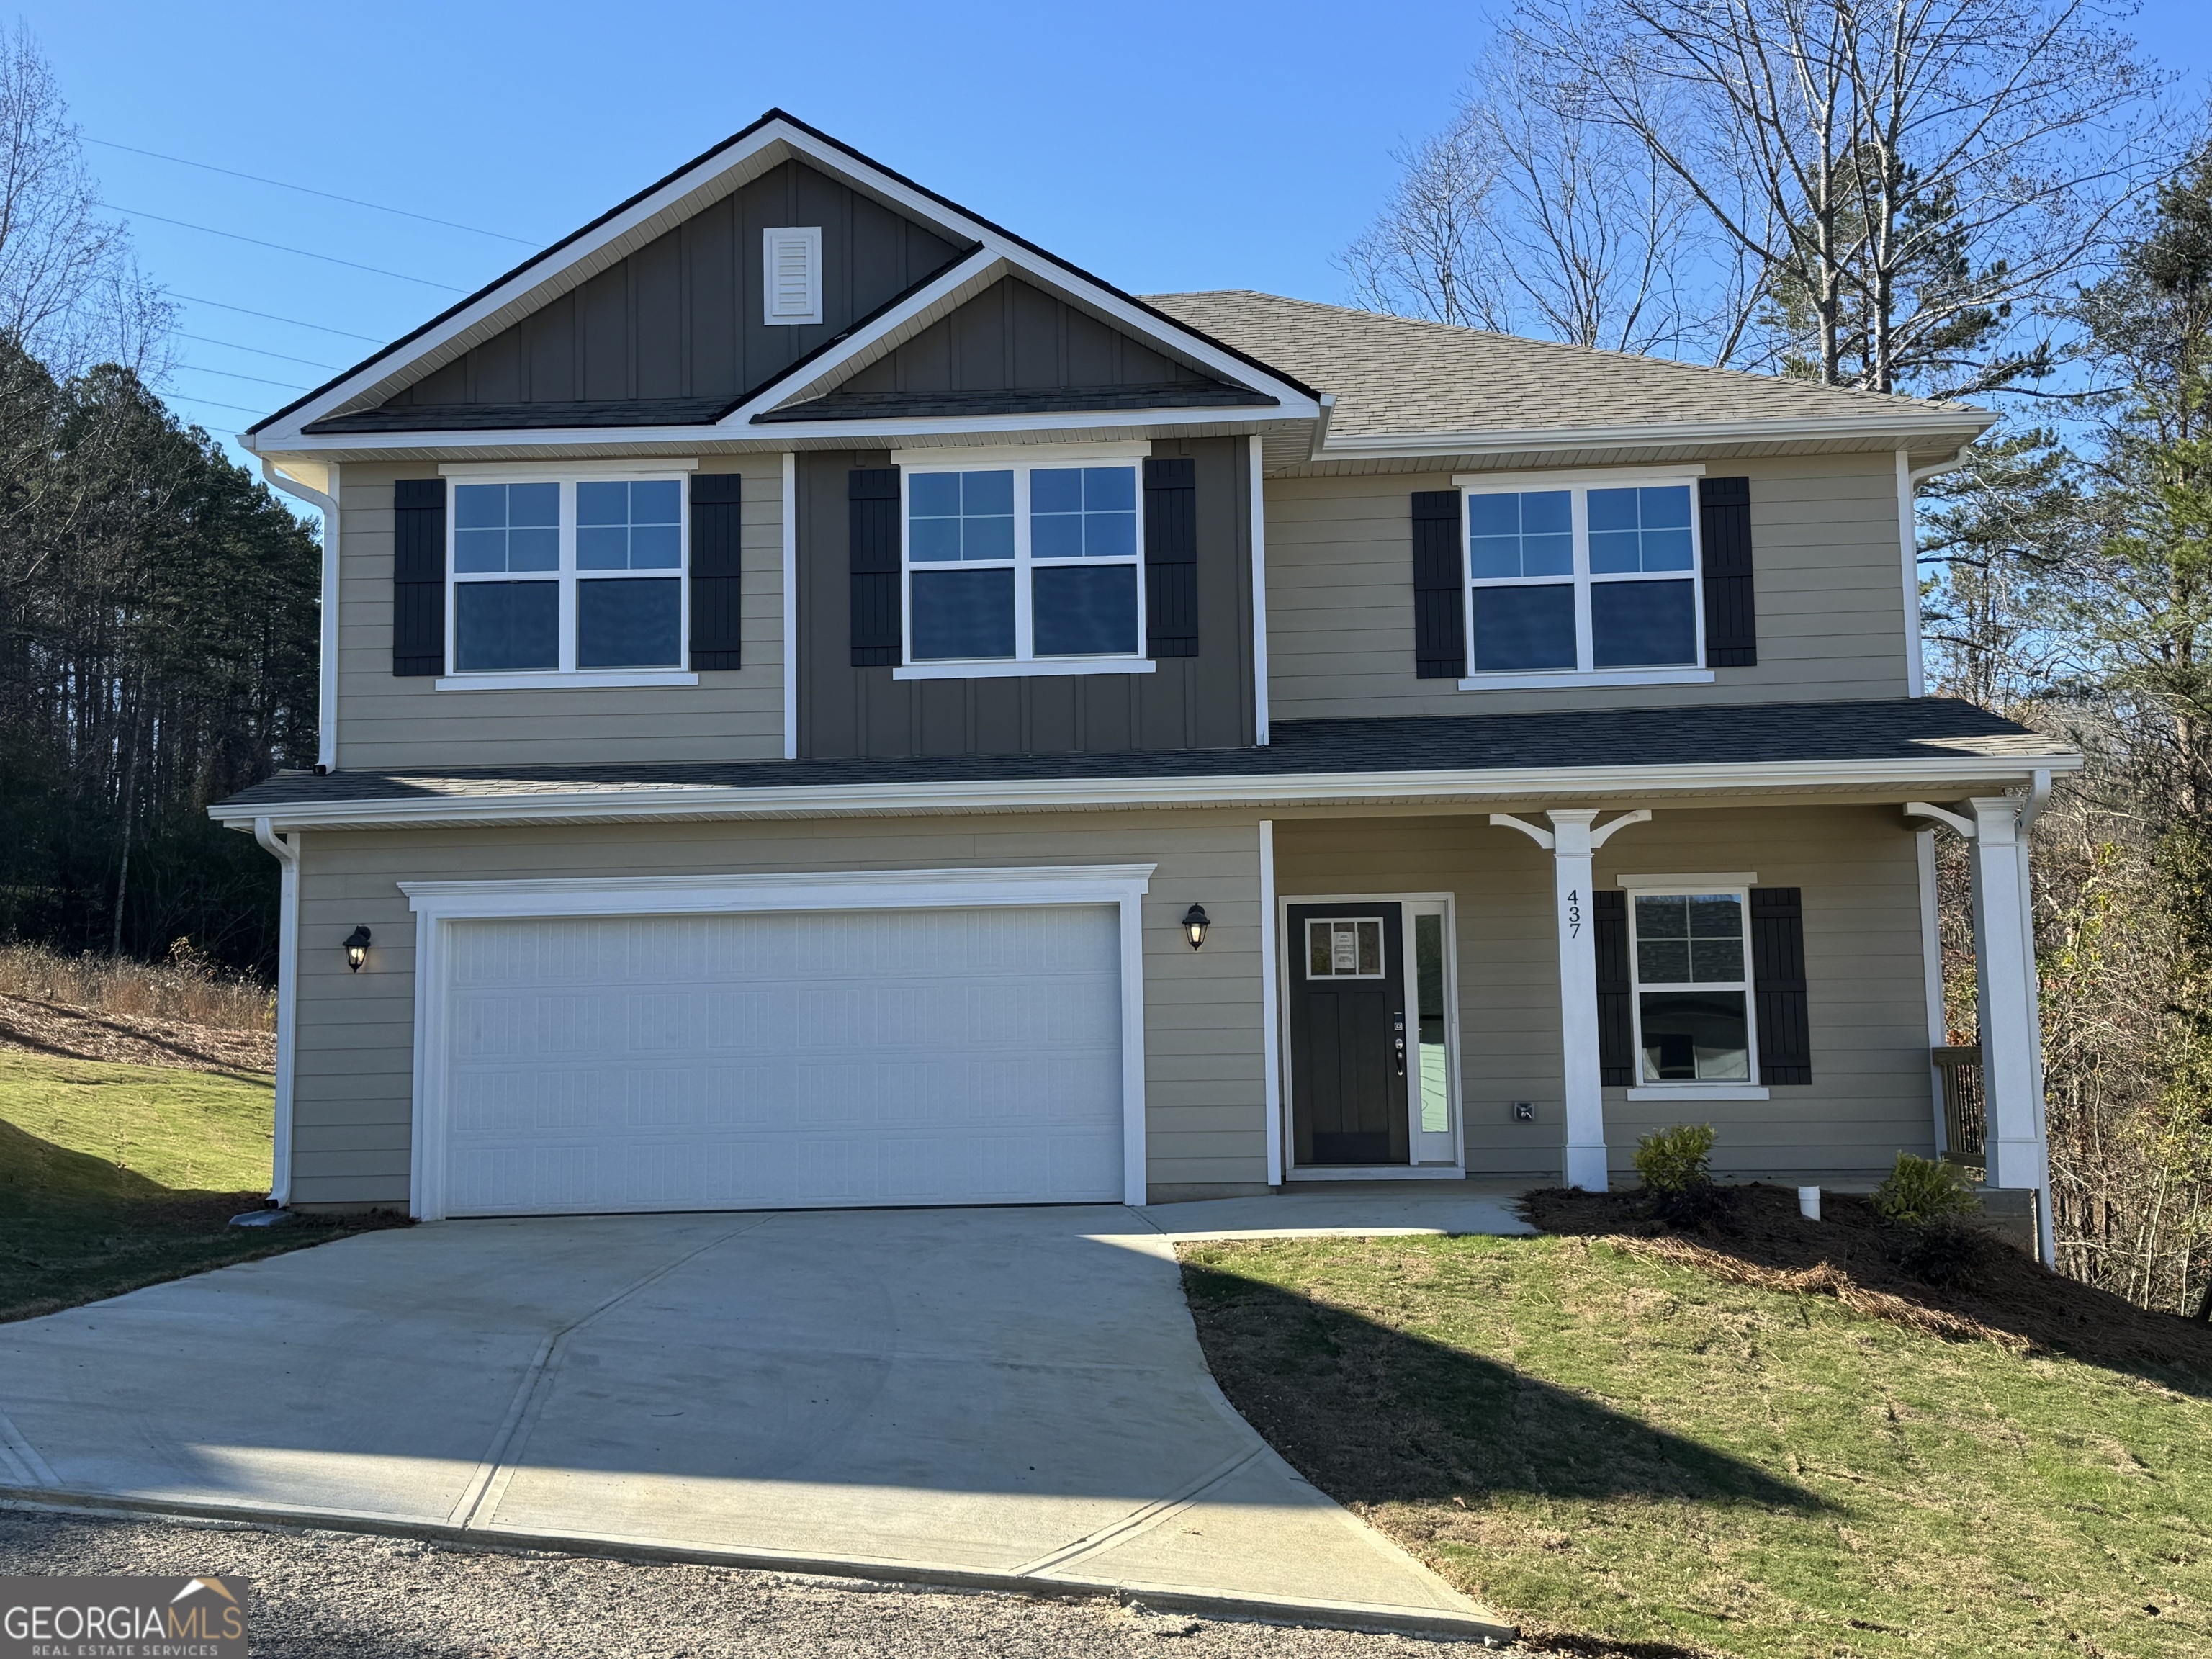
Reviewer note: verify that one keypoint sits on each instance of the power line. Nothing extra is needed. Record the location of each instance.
(328, 196)
(232, 375)
(259, 351)
(271, 317)
(186, 224)
(187, 398)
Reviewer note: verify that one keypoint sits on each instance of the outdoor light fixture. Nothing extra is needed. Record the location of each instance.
(1194, 924)
(357, 948)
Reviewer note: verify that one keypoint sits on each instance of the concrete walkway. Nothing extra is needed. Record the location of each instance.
(1005, 1397)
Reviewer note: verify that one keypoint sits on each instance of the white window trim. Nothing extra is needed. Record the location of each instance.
(435, 904)
(811, 237)
(1740, 884)
(1585, 671)
(568, 674)
(1022, 664)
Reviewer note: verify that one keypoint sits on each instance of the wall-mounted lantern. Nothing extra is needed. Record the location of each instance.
(1194, 924)
(356, 949)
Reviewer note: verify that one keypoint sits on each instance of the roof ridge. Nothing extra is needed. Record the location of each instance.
(1564, 349)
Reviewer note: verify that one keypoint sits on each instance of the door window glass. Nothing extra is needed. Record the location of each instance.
(1436, 1067)
(1339, 947)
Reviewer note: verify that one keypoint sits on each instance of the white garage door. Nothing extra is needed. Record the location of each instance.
(761, 1060)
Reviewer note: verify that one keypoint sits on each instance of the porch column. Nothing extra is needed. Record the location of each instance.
(2005, 989)
(1571, 839)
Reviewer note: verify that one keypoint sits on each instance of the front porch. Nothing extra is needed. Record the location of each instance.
(1522, 994)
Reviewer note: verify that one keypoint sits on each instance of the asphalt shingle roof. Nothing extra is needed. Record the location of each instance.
(1396, 376)
(1904, 729)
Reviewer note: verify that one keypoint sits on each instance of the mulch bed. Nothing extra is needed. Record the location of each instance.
(1990, 1290)
(61, 1032)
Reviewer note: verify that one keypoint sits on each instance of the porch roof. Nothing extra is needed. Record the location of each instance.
(1897, 743)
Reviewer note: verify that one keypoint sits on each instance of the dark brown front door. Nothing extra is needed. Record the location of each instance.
(1347, 1006)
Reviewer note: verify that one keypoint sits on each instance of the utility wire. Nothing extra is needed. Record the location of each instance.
(259, 351)
(186, 224)
(328, 196)
(187, 398)
(271, 317)
(232, 375)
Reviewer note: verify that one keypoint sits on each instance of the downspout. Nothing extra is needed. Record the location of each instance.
(2038, 796)
(1908, 478)
(326, 694)
(286, 851)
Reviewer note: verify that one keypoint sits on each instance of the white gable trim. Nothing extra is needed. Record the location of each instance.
(775, 141)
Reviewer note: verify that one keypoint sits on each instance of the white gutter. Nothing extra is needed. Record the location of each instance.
(287, 854)
(326, 693)
(677, 801)
(1899, 423)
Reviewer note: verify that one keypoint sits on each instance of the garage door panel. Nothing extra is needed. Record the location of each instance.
(733, 1061)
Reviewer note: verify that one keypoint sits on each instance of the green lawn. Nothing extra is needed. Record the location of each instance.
(116, 1177)
(1601, 1446)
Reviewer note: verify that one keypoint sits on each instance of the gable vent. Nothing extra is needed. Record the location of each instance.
(791, 274)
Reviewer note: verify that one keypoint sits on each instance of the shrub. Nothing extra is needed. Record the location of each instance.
(1677, 1161)
(1922, 1190)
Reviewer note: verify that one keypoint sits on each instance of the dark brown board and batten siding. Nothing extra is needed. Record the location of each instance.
(682, 317)
(1200, 701)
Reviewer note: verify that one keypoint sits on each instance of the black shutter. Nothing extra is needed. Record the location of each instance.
(716, 498)
(1777, 979)
(418, 576)
(1171, 558)
(872, 494)
(1439, 577)
(1724, 526)
(1616, 1031)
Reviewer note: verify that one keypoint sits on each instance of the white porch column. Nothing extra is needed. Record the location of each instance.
(1572, 838)
(2005, 989)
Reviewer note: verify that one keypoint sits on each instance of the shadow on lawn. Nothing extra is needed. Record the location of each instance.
(1371, 1414)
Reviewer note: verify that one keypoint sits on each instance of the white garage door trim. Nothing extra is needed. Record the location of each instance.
(553, 898)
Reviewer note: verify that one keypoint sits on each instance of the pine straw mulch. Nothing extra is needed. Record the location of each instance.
(1990, 1291)
(59, 1031)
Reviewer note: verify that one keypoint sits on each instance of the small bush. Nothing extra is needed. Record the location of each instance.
(1920, 1191)
(1678, 1162)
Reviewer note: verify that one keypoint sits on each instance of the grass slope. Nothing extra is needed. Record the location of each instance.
(116, 1177)
(1633, 1457)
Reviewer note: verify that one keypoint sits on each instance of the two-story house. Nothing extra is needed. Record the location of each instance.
(824, 703)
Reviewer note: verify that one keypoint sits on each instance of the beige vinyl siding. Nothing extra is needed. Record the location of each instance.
(388, 722)
(1205, 1124)
(1826, 573)
(1870, 1094)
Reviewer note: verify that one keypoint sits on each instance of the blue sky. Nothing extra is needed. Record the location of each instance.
(1194, 146)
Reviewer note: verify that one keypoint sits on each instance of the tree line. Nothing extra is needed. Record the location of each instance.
(158, 603)
(1997, 199)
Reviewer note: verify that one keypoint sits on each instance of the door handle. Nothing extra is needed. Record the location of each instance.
(1400, 1045)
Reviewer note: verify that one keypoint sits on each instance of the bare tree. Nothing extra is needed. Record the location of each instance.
(70, 290)
(1913, 177)
(1524, 215)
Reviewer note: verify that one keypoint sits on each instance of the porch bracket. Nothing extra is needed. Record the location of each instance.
(1573, 837)
(1963, 827)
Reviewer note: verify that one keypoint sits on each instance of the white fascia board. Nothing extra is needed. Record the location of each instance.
(285, 435)
(1902, 423)
(677, 801)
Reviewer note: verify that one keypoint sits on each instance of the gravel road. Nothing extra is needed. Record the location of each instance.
(339, 1596)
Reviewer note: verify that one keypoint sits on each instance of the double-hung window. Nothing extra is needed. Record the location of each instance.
(1692, 959)
(569, 576)
(1010, 565)
(1573, 580)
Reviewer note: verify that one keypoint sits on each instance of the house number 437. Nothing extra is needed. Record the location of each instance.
(1574, 915)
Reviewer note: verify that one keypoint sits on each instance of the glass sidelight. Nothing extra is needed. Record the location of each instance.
(1434, 1141)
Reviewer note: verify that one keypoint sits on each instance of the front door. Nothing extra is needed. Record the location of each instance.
(1348, 1036)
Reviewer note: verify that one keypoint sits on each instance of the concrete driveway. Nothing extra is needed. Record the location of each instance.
(1004, 1397)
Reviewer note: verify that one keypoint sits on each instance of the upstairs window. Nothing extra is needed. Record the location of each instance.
(1019, 564)
(1582, 579)
(557, 577)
